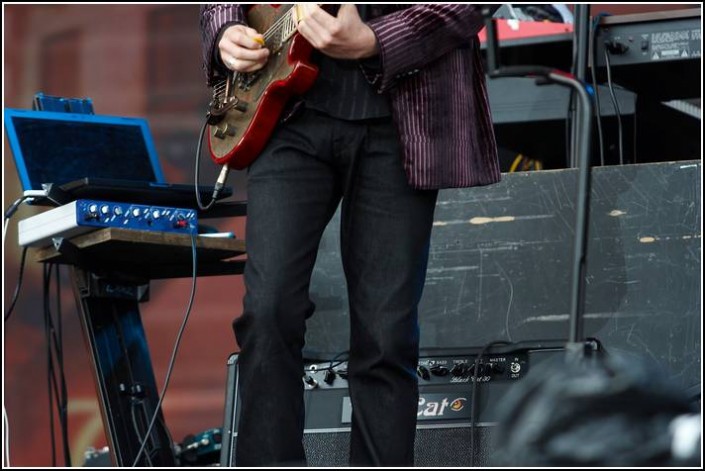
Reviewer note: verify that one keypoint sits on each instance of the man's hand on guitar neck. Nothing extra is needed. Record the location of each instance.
(343, 37)
(241, 49)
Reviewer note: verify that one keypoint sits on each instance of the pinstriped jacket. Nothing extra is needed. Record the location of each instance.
(431, 68)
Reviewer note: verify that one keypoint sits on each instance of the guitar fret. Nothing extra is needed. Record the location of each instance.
(281, 30)
(290, 25)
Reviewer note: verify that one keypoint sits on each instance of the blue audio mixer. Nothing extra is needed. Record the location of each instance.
(83, 216)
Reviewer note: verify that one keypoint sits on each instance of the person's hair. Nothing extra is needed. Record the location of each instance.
(602, 412)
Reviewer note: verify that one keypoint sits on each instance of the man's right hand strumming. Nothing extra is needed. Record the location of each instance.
(242, 49)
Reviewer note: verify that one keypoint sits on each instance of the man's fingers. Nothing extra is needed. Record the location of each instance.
(239, 52)
(250, 42)
(240, 65)
(244, 36)
(347, 10)
(310, 31)
(322, 18)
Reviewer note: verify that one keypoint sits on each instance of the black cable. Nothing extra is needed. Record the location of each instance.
(221, 179)
(593, 74)
(568, 126)
(59, 347)
(173, 354)
(473, 398)
(16, 294)
(57, 391)
(571, 108)
(331, 365)
(634, 139)
(15, 206)
(50, 363)
(135, 426)
(197, 170)
(615, 104)
(330, 372)
(11, 210)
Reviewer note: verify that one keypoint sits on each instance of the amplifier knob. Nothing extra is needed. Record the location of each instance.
(459, 369)
(423, 372)
(496, 368)
(439, 370)
(310, 382)
(180, 222)
(329, 377)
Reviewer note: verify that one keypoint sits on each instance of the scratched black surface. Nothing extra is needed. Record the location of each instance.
(500, 266)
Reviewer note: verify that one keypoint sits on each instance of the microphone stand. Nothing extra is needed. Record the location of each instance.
(576, 347)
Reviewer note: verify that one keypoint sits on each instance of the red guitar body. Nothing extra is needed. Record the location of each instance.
(249, 106)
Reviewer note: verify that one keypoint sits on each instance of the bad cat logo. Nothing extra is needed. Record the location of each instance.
(439, 408)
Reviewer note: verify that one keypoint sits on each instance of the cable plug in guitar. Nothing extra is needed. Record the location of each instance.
(222, 178)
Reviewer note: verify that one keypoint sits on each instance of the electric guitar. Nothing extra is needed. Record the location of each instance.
(247, 106)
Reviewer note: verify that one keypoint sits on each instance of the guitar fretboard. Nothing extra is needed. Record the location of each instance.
(282, 29)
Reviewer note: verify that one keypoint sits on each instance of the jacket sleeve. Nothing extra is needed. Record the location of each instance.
(214, 18)
(410, 39)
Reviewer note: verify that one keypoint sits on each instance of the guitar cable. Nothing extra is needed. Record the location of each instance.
(172, 360)
(219, 184)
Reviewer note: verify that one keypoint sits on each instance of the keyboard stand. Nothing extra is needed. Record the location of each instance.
(110, 271)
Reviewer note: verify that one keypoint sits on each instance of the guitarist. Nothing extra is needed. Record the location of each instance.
(399, 110)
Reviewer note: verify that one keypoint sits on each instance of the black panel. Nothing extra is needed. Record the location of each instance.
(500, 260)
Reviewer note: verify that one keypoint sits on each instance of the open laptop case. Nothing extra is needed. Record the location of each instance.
(94, 157)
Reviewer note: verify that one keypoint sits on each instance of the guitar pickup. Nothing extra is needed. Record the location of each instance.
(225, 131)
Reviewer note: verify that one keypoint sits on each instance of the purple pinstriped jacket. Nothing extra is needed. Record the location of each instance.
(432, 70)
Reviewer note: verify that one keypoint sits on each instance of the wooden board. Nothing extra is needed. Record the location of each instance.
(148, 254)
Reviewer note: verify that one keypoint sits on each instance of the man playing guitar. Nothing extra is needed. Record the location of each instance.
(398, 110)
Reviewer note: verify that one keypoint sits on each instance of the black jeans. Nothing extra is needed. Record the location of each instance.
(294, 188)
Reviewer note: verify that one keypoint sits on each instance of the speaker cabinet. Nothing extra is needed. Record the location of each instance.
(445, 422)
(435, 446)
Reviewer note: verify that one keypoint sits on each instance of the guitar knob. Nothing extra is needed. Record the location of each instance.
(241, 106)
(227, 130)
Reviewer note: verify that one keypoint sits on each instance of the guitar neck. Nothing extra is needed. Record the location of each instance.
(285, 27)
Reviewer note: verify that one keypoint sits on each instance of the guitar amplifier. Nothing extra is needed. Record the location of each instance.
(656, 54)
(445, 422)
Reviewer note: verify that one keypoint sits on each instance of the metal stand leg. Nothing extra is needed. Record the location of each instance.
(122, 367)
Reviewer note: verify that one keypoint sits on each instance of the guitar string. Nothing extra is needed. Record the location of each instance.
(286, 20)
